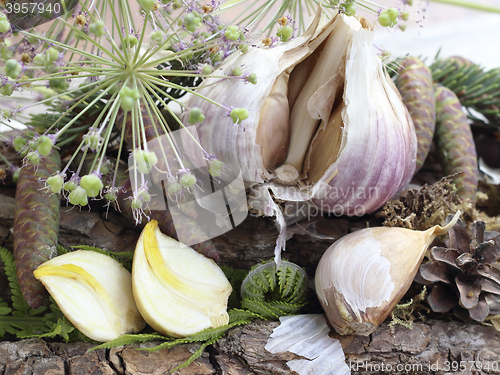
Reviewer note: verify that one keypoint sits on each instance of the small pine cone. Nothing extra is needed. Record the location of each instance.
(463, 273)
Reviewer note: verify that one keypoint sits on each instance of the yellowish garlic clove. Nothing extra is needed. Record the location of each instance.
(178, 291)
(362, 276)
(94, 292)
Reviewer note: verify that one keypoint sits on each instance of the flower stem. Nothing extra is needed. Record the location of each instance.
(469, 4)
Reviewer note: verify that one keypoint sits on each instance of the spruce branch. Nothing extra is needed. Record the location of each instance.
(477, 89)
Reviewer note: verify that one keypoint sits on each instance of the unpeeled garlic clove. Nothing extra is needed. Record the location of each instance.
(94, 292)
(362, 276)
(178, 291)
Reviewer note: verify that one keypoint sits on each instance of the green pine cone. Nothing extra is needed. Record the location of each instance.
(36, 225)
(455, 144)
(416, 88)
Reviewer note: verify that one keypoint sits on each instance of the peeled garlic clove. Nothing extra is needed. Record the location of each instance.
(178, 291)
(362, 276)
(94, 292)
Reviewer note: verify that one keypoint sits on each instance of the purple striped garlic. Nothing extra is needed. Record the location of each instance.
(326, 123)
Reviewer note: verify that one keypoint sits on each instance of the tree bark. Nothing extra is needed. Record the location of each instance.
(429, 348)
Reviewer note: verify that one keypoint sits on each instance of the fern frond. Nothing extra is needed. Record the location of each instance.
(270, 275)
(4, 308)
(128, 339)
(287, 287)
(19, 305)
(239, 315)
(61, 250)
(197, 353)
(262, 308)
(300, 288)
(286, 308)
(291, 279)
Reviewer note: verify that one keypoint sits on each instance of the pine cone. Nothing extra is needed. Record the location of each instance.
(463, 274)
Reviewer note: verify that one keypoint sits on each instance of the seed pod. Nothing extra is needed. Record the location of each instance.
(455, 144)
(36, 225)
(157, 143)
(416, 88)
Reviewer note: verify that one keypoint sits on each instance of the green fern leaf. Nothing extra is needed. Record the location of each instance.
(196, 354)
(239, 315)
(202, 336)
(128, 339)
(19, 305)
(4, 310)
(61, 250)
(270, 275)
(287, 308)
(300, 287)
(287, 288)
(261, 308)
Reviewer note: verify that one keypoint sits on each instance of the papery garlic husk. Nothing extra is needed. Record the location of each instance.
(178, 291)
(325, 119)
(94, 292)
(362, 276)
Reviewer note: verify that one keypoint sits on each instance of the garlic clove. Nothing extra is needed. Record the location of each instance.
(94, 292)
(362, 276)
(178, 291)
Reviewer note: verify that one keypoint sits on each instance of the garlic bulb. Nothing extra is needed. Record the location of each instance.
(178, 291)
(363, 275)
(94, 292)
(324, 119)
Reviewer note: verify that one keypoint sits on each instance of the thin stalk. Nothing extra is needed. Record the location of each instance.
(69, 48)
(95, 43)
(173, 85)
(137, 50)
(469, 4)
(173, 115)
(48, 100)
(109, 129)
(89, 106)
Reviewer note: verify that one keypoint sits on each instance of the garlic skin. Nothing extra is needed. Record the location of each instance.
(178, 291)
(362, 276)
(94, 292)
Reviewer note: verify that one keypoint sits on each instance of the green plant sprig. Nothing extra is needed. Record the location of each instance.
(477, 89)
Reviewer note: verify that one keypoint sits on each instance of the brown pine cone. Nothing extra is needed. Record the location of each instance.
(463, 273)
